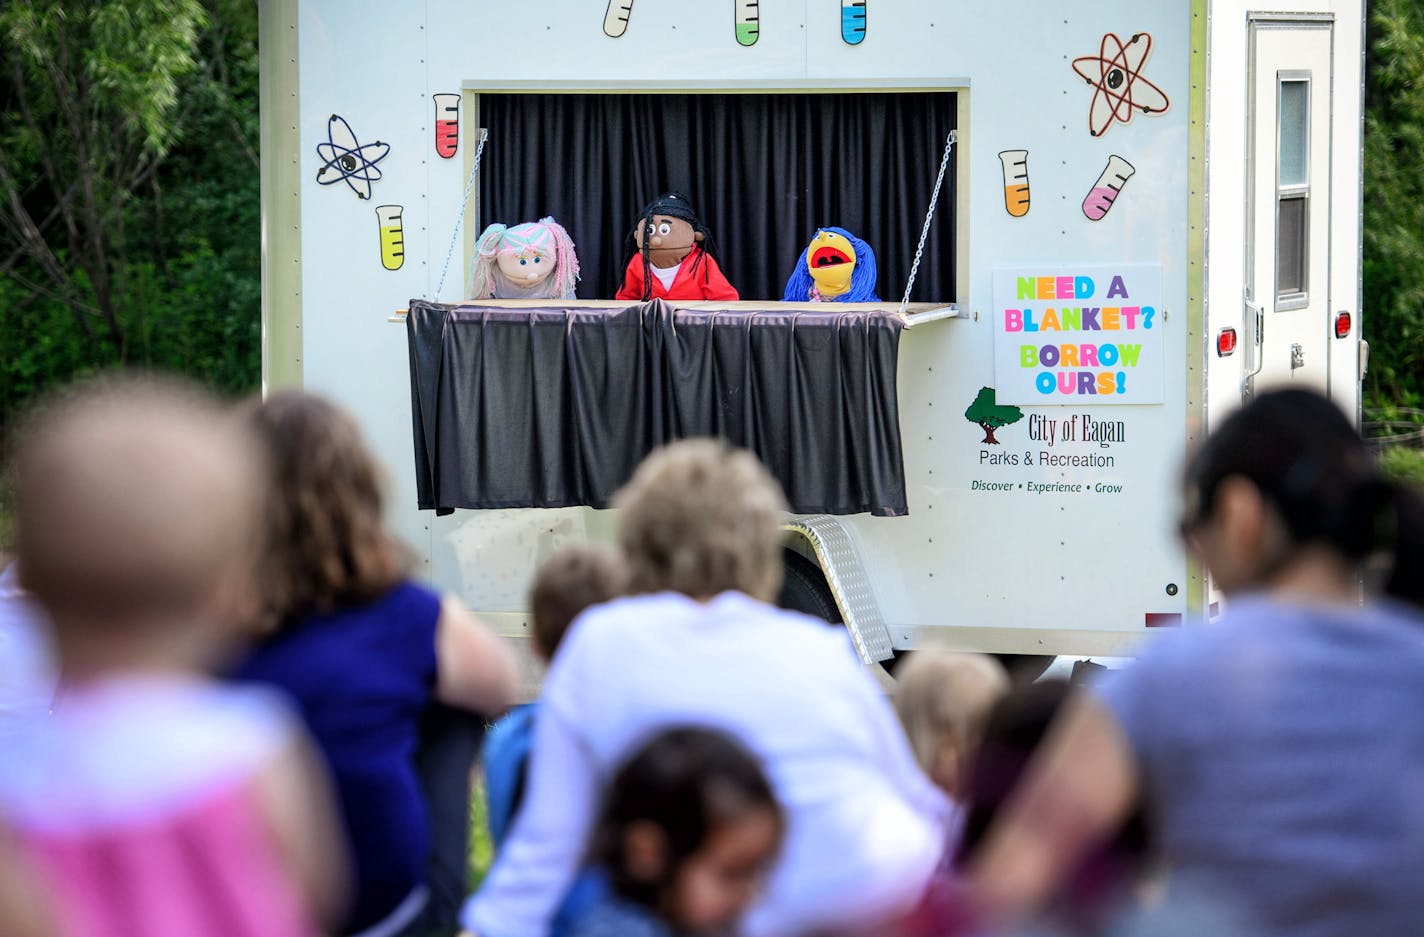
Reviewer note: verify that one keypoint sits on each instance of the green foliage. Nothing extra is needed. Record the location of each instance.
(1394, 201)
(481, 854)
(123, 58)
(160, 179)
(1404, 465)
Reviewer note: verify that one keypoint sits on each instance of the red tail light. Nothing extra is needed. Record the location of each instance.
(1225, 342)
(1342, 324)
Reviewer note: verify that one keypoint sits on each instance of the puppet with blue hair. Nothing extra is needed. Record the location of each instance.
(836, 267)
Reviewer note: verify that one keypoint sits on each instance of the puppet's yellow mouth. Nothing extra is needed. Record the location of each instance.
(831, 261)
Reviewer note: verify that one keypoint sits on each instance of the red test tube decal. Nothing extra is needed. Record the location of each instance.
(447, 124)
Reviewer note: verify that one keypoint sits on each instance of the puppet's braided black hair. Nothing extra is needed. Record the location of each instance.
(673, 205)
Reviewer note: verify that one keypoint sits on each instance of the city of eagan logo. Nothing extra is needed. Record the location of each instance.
(990, 415)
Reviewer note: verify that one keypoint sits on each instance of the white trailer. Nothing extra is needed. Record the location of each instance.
(1155, 209)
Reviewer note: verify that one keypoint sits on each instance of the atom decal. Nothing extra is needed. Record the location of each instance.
(346, 160)
(1116, 75)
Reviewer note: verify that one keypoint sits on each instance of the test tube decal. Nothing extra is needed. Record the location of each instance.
(447, 124)
(1105, 190)
(748, 21)
(853, 21)
(615, 20)
(1015, 163)
(388, 219)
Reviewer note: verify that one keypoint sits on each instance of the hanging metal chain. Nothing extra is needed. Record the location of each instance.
(929, 216)
(460, 218)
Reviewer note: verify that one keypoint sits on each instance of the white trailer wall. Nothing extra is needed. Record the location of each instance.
(1012, 569)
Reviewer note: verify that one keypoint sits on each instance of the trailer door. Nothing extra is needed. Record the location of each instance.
(1288, 202)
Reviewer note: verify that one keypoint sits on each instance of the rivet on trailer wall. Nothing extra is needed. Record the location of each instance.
(1116, 76)
(345, 159)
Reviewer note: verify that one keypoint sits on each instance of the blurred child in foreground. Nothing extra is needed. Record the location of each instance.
(943, 699)
(155, 801)
(688, 829)
(568, 582)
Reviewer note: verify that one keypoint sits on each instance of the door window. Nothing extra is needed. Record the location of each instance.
(1292, 190)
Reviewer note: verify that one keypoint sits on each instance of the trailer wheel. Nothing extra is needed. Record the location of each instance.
(1025, 668)
(805, 590)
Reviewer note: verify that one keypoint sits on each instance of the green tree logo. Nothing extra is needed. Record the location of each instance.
(990, 415)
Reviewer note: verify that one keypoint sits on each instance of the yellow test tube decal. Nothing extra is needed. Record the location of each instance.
(388, 218)
(1015, 163)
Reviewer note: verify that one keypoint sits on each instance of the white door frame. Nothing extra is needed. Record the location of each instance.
(1287, 336)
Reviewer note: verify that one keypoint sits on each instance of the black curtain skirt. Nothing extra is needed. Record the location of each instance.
(554, 406)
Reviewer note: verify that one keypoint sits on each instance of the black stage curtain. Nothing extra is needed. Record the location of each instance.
(762, 170)
(550, 407)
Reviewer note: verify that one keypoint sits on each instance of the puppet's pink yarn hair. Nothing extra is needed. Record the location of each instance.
(566, 265)
(540, 235)
(486, 249)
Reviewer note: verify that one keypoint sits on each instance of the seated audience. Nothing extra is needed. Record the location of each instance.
(363, 651)
(697, 643)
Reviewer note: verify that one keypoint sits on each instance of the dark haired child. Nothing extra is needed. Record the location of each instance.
(689, 827)
(1013, 730)
(569, 581)
(673, 255)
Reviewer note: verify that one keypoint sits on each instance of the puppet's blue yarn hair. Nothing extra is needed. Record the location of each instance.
(862, 278)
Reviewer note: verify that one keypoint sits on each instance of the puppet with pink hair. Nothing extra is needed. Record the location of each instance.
(535, 260)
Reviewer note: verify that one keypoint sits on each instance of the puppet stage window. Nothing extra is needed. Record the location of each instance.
(762, 170)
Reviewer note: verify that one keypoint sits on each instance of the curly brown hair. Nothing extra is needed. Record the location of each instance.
(701, 517)
(326, 544)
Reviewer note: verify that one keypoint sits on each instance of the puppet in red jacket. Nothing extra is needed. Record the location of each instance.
(673, 255)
